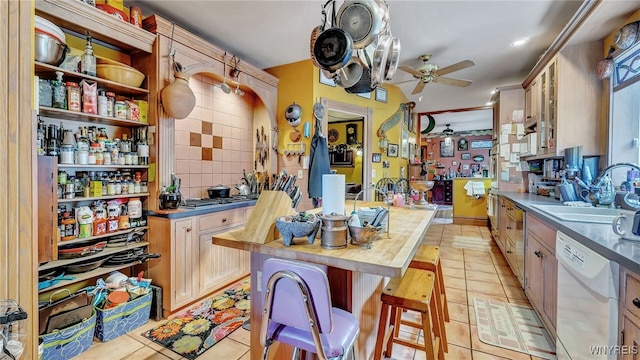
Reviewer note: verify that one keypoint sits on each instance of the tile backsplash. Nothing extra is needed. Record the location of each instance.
(215, 142)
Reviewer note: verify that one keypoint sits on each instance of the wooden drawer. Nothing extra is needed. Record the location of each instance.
(222, 219)
(545, 233)
(632, 292)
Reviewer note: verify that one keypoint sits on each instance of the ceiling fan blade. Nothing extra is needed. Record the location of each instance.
(451, 81)
(418, 87)
(411, 71)
(405, 81)
(454, 67)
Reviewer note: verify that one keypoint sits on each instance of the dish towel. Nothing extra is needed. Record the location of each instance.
(475, 189)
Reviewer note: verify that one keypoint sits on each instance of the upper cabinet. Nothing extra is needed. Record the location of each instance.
(563, 102)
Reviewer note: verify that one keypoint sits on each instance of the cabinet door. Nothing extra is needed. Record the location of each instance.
(219, 265)
(47, 206)
(550, 104)
(533, 273)
(631, 338)
(185, 260)
(550, 285)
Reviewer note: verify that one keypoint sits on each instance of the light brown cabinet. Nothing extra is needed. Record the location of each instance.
(541, 271)
(511, 236)
(629, 315)
(192, 266)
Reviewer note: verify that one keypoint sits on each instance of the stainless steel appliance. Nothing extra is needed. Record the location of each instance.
(492, 211)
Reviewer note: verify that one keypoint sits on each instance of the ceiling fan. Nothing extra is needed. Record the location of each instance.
(433, 73)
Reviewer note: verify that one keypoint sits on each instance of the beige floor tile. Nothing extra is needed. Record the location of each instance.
(458, 333)
(484, 277)
(146, 353)
(226, 349)
(137, 333)
(472, 295)
(246, 356)
(455, 264)
(458, 312)
(430, 242)
(242, 336)
(115, 349)
(456, 295)
(166, 352)
(455, 283)
(485, 288)
(478, 355)
(504, 270)
(455, 353)
(472, 315)
(488, 268)
(451, 253)
(452, 272)
(498, 259)
(507, 280)
(476, 253)
(481, 259)
(399, 352)
(514, 292)
(478, 345)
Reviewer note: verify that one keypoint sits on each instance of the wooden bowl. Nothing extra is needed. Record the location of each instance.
(122, 74)
(421, 186)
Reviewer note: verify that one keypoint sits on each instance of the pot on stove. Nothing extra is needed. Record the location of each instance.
(219, 191)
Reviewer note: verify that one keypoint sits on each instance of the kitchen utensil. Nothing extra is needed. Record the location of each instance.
(392, 60)
(170, 201)
(604, 69)
(297, 226)
(85, 266)
(623, 225)
(383, 49)
(350, 74)
(69, 302)
(364, 84)
(352, 17)
(47, 26)
(77, 250)
(312, 42)
(243, 189)
(334, 231)
(626, 36)
(224, 86)
(292, 114)
(49, 50)
(333, 49)
(218, 191)
(364, 236)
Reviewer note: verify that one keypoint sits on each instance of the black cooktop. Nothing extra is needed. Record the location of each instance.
(192, 203)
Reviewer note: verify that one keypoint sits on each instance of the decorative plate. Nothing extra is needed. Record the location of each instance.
(478, 158)
(333, 135)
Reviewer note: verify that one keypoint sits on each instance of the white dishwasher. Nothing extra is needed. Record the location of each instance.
(587, 317)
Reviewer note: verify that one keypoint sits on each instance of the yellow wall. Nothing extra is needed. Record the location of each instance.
(300, 82)
(466, 206)
(351, 174)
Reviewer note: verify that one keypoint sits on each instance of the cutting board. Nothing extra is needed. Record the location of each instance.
(261, 225)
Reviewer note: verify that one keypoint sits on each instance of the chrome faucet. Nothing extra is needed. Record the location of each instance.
(593, 190)
(387, 202)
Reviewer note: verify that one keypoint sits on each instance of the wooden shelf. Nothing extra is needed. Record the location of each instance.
(93, 167)
(67, 242)
(530, 124)
(118, 88)
(107, 251)
(80, 116)
(110, 197)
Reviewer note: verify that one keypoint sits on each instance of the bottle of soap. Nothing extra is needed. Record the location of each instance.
(355, 220)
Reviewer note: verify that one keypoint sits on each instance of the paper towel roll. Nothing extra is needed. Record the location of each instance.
(333, 194)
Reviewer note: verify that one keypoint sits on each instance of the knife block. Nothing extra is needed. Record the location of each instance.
(261, 225)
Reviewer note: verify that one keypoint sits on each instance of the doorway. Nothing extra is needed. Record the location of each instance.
(348, 131)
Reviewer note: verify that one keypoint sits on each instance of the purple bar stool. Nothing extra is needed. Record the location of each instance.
(297, 311)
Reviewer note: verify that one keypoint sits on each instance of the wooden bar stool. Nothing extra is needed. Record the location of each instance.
(428, 258)
(414, 291)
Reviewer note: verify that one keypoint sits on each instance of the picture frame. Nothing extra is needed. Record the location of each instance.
(463, 144)
(365, 95)
(376, 157)
(381, 94)
(325, 80)
(392, 150)
(404, 144)
(465, 156)
(481, 144)
(447, 150)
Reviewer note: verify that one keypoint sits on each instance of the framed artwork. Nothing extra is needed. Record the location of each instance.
(481, 144)
(376, 157)
(446, 150)
(465, 156)
(333, 135)
(463, 144)
(404, 144)
(381, 94)
(392, 150)
(325, 80)
(365, 95)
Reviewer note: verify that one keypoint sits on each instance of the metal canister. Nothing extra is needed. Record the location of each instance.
(334, 231)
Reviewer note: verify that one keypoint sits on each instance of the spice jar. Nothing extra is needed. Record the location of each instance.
(120, 109)
(103, 103)
(73, 96)
(68, 227)
(111, 102)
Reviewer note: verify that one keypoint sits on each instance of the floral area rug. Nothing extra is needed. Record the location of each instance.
(192, 332)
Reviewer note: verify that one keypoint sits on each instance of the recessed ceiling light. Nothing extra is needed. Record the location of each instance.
(519, 42)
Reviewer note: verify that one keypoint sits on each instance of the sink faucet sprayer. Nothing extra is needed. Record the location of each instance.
(591, 193)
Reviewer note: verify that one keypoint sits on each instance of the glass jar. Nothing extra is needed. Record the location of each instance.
(92, 157)
(120, 109)
(103, 103)
(137, 189)
(111, 188)
(118, 187)
(111, 101)
(73, 96)
(144, 188)
(131, 187)
(124, 187)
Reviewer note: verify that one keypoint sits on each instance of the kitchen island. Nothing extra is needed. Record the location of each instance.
(356, 274)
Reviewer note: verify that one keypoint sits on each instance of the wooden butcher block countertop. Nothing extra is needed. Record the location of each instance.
(386, 257)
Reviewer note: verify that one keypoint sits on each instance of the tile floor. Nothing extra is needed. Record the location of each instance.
(467, 273)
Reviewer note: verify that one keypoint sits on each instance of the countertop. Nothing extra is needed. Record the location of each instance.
(387, 256)
(597, 237)
(183, 212)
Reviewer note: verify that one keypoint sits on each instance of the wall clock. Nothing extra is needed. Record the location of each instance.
(352, 134)
(333, 135)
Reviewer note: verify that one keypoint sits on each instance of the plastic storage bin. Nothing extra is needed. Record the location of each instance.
(69, 342)
(121, 319)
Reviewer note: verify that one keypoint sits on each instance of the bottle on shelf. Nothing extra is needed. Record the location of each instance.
(59, 92)
(143, 148)
(41, 137)
(88, 61)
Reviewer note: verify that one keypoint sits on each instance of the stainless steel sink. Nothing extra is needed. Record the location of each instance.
(580, 214)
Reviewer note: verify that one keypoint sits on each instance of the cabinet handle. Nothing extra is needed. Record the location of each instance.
(224, 220)
(636, 302)
(538, 253)
(509, 251)
(509, 227)
(189, 229)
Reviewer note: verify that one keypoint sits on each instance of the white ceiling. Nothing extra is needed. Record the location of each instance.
(268, 33)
